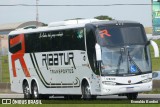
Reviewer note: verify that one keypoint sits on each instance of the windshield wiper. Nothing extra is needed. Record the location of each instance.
(120, 60)
(130, 59)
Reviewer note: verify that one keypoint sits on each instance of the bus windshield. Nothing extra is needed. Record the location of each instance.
(124, 50)
(127, 60)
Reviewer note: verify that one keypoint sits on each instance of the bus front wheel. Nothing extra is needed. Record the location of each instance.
(86, 92)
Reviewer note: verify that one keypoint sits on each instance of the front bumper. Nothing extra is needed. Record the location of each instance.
(121, 89)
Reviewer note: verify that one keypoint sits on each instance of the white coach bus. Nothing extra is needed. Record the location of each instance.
(81, 59)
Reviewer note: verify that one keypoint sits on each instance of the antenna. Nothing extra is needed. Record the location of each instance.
(37, 15)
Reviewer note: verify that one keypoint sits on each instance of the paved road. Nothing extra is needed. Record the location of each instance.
(140, 96)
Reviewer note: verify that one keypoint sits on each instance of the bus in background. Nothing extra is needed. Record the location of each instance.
(81, 59)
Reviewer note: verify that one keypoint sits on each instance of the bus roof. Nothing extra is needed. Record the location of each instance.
(114, 22)
(55, 26)
(67, 25)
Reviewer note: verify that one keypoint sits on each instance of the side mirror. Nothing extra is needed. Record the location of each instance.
(155, 48)
(98, 52)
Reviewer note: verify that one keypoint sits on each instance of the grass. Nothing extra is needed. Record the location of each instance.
(5, 69)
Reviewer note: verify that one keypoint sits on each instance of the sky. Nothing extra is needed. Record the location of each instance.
(139, 13)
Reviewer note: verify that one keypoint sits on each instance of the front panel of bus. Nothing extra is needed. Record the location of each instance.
(125, 65)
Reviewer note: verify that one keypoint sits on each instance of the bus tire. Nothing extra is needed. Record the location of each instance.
(26, 90)
(35, 93)
(132, 96)
(86, 92)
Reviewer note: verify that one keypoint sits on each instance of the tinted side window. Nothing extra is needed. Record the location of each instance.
(32, 43)
(74, 39)
(16, 46)
(70, 39)
(51, 41)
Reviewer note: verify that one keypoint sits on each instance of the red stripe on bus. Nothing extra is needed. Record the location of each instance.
(19, 54)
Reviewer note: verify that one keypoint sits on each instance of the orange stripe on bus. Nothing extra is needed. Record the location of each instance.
(19, 55)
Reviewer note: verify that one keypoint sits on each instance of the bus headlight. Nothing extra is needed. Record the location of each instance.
(108, 83)
(147, 80)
